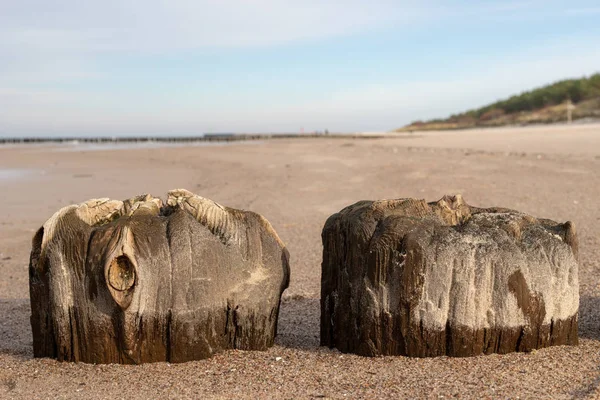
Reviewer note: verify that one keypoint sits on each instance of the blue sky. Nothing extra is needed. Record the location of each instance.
(179, 67)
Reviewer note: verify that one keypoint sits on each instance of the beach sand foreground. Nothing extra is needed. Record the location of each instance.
(551, 172)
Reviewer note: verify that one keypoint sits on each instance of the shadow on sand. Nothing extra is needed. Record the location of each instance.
(298, 326)
(15, 329)
(589, 317)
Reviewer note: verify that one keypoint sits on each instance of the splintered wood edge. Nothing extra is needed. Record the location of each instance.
(452, 210)
(221, 221)
(92, 212)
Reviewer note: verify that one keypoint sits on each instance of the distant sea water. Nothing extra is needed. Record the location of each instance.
(137, 145)
(77, 145)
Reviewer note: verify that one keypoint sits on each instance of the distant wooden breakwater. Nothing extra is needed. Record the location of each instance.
(183, 139)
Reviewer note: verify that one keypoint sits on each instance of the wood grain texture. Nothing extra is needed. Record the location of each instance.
(406, 277)
(141, 281)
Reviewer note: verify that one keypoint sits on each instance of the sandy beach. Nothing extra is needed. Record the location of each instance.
(551, 172)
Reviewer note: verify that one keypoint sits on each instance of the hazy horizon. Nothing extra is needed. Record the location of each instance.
(129, 68)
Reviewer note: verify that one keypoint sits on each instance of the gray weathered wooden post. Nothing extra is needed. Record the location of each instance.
(406, 277)
(141, 281)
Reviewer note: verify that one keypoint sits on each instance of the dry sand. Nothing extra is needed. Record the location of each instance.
(551, 172)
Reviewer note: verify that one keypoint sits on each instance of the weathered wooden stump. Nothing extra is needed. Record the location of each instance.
(404, 277)
(138, 281)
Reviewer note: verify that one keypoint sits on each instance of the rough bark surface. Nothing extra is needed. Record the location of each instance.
(141, 281)
(406, 277)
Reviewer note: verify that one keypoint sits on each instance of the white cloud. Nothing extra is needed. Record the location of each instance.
(138, 26)
(162, 25)
(56, 41)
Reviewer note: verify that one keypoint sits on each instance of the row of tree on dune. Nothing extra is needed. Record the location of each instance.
(546, 104)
